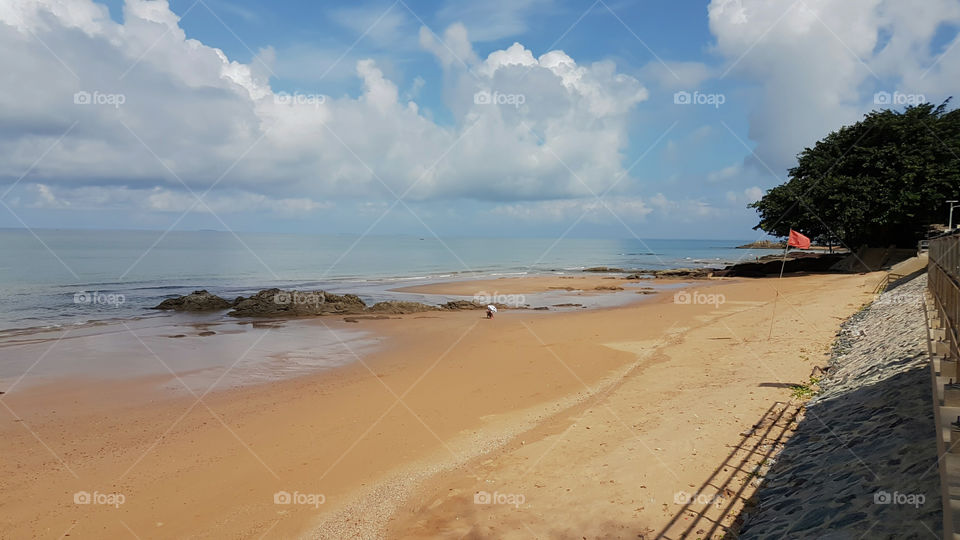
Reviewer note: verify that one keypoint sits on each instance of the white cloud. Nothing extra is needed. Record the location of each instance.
(592, 210)
(383, 24)
(753, 194)
(725, 174)
(191, 114)
(493, 19)
(161, 200)
(818, 62)
(686, 210)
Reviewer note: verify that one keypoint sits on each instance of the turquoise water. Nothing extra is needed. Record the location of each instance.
(64, 277)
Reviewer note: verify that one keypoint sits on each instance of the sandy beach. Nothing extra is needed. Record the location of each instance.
(580, 423)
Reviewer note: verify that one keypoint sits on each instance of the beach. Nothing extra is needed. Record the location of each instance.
(575, 422)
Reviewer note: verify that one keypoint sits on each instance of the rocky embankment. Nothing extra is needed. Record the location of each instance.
(278, 303)
(863, 459)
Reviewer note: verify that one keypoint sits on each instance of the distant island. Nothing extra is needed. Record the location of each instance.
(764, 244)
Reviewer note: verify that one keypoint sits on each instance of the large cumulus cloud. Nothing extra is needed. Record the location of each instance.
(190, 115)
(818, 63)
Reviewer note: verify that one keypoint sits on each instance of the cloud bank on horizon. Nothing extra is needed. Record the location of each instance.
(134, 116)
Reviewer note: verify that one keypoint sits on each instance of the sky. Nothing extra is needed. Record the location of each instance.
(605, 118)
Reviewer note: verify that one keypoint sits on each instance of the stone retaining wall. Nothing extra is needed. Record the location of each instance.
(863, 459)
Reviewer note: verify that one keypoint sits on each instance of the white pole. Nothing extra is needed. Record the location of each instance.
(774, 312)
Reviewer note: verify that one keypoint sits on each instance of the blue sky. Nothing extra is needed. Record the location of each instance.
(364, 116)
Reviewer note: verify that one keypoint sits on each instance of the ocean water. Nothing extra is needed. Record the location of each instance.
(57, 278)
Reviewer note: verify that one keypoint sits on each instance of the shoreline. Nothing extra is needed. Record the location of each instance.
(204, 333)
(372, 288)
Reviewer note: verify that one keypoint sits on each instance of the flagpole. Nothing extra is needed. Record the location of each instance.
(777, 288)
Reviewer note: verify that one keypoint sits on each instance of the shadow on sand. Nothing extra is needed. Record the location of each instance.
(712, 511)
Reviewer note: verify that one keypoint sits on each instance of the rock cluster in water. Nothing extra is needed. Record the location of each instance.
(863, 460)
(289, 303)
(195, 301)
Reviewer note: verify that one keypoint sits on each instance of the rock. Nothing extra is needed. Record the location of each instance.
(770, 264)
(280, 303)
(195, 301)
(399, 308)
(763, 244)
(457, 305)
(603, 269)
(685, 273)
(608, 288)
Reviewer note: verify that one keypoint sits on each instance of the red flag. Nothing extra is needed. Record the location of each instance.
(798, 240)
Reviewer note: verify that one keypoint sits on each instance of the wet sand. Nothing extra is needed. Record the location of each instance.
(529, 285)
(597, 417)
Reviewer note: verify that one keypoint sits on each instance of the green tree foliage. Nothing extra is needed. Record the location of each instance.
(878, 182)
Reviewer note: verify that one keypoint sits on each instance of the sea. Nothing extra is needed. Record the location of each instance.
(60, 278)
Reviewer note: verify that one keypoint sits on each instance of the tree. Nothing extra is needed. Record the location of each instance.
(878, 182)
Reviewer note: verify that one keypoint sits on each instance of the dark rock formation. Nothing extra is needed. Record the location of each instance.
(603, 269)
(674, 273)
(763, 244)
(396, 307)
(195, 301)
(770, 265)
(280, 303)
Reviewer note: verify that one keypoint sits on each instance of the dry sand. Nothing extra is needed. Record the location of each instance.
(597, 418)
